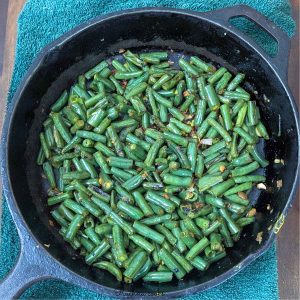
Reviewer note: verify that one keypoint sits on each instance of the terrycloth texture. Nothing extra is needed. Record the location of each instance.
(42, 21)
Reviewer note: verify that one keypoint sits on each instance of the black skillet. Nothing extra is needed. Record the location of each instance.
(205, 34)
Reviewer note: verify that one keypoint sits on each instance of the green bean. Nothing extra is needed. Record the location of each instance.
(127, 75)
(202, 223)
(257, 157)
(235, 95)
(235, 81)
(200, 263)
(65, 212)
(45, 146)
(214, 148)
(186, 236)
(241, 160)
(233, 228)
(110, 267)
(150, 164)
(177, 180)
(251, 178)
(161, 276)
(162, 202)
(59, 218)
(201, 64)
(60, 102)
(133, 139)
(103, 229)
(130, 210)
(239, 188)
(208, 181)
(212, 97)
(201, 131)
(171, 263)
(244, 170)
(262, 131)
(58, 198)
(220, 129)
(212, 227)
(179, 91)
(245, 135)
(225, 111)
(144, 270)
(214, 201)
(74, 226)
(176, 113)
(221, 188)
(142, 203)
(223, 82)
(185, 66)
(141, 242)
(119, 243)
(118, 66)
(162, 100)
(187, 103)
(97, 252)
(191, 226)
(75, 207)
(245, 221)
(217, 75)
(76, 175)
(182, 261)
(153, 152)
(48, 171)
(197, 248)
(200, 113)
(98, 68)
(120, 162)
(148, 232)
(61, 127)
(167, 233)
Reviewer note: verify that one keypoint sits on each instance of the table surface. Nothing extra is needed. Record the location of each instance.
(288, 238)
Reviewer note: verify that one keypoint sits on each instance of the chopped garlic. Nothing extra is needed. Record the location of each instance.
(251, 212)
(259, 237)
(279, 183)
(261, 186)
(206, 142)
(243, 195)
(222, 168)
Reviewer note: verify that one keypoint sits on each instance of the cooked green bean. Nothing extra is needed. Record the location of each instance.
(48, 171)
(161, 276)
(148, 232)
(171, 263)
(149, 165)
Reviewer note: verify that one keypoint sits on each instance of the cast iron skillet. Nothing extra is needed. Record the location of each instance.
(205, 34)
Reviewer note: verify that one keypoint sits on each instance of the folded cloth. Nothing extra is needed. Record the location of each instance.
(42, 21)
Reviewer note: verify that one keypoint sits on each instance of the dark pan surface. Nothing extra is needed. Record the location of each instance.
(181, 34)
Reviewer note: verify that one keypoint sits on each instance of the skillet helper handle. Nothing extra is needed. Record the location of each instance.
(31, 267)
(281, 59)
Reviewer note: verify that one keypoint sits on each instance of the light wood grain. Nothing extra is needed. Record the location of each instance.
(14, 8)
(288, 239)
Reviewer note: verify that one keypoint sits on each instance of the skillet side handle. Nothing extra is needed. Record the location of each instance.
(281, 59)
(31, 267)
(19, 279)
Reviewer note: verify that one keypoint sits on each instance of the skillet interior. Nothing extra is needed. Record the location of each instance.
(140, 32)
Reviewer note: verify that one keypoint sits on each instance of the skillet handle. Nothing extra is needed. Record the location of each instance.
(281, 59)
(32, 266)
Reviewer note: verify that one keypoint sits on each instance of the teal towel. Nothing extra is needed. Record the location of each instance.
(42, 21)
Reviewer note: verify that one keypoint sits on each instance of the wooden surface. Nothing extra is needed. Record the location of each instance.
(288, 238)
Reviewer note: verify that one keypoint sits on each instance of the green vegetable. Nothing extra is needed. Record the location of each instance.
(149, 165)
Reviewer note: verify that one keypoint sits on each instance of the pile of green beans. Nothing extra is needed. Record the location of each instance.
(150, 163)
